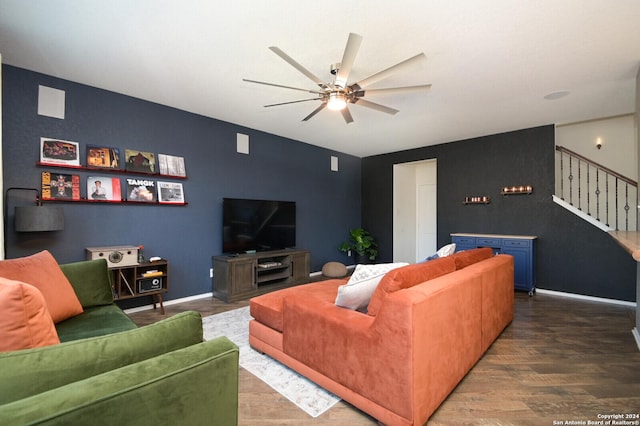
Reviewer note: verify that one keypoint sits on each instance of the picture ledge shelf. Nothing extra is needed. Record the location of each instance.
(87, 201)
(107, 170)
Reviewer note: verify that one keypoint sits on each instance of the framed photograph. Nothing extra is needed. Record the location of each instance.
(141, 190)
(61, 186)
(56, 151)
(171, 165)
(102, 188)
(103, 157)
(170, 192)
(140, 161)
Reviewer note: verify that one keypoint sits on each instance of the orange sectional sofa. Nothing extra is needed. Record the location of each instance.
(431, 322)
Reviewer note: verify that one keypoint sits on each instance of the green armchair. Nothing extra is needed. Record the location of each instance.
(162, 373)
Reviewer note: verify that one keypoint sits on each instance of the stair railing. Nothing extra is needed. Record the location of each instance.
(615, 196)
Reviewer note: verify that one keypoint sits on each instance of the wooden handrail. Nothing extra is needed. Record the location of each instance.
(600, 166)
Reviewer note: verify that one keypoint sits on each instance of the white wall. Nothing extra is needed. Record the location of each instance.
(609, 201)
(619, 145)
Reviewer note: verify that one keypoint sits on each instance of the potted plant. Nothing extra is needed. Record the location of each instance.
(362, 243)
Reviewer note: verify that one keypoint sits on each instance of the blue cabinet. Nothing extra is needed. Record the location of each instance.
(521, 247)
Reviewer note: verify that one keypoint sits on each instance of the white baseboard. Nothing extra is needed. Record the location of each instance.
(538, 290)
(169, 303)
(195, 297)
(636, 335)
(589, 298)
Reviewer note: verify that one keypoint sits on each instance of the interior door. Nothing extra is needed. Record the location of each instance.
(415, 211)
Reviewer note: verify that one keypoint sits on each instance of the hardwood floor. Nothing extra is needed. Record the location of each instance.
(560, 360)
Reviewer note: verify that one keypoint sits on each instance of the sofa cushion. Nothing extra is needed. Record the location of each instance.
(91, 281)
(32, 371)
(43, 272)
(194, 385)
(95, 321)
(408, 276)
(25, 321)
(356, 293)
(469, 257)
(267, 308)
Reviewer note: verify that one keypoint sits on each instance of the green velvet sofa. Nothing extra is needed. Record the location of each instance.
(106, 371)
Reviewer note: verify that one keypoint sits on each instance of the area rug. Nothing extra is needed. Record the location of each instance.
(234, 324)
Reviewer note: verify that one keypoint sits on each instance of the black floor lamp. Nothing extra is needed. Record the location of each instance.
(33, 218)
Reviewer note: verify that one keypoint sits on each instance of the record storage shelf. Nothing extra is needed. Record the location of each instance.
(110, 171)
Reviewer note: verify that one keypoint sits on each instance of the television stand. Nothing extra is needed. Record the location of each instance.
(241, 276)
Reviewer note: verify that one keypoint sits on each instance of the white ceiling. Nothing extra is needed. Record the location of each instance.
(490, 62)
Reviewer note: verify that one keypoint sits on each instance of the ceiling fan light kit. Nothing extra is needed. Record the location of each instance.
(337, 94)
(337, 101)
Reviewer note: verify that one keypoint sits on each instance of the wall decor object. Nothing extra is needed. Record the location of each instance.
(478, 199)
(141, 190)
(103, 188)
(171, 165)
(170, 192)
(517, 189)
(103, 157)
(55, 151)
(60, 186)
(140, 161)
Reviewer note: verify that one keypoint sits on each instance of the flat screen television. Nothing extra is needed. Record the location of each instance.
(257, 225)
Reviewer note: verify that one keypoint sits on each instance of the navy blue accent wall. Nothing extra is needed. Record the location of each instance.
(572, 255)
(328, 203)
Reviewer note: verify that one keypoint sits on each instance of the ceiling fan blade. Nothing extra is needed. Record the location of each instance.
(377, 107)
(393, 90)
(293, 102)
(348, 58)
(387, 72)
(280, 85)
(315, 111)
(347, 115)
(297, 66)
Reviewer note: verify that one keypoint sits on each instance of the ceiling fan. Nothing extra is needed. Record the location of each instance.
(337, 94)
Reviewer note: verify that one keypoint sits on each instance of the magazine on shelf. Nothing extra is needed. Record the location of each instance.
(171, 165)
(170, 192)
(61, 186)
(103, 157)
(142, 190)
(140, 161)
(102, 188)
(56, 151)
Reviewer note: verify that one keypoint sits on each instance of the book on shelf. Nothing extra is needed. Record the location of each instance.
(154, 273)
(102, 188)
(60, 186)
(140, 161)
(170, 192)
(55, 151)
(171, 165)
(141, 190)
(103, 157)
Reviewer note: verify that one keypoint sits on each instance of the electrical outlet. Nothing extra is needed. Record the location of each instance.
(210, 272)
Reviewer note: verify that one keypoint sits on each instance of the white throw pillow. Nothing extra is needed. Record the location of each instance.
(357, 292)
(445, 251)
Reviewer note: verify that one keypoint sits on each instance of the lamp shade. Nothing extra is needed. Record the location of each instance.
(39, 218)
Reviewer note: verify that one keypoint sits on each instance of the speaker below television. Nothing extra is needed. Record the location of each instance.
(257, 225)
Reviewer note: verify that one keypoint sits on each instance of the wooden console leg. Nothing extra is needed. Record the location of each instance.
(159, 296)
